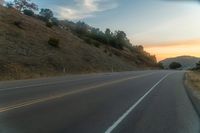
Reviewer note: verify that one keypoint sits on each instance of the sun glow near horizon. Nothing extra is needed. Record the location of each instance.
(173, 49)
(175, 37)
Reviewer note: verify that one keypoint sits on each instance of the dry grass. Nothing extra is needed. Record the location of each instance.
(193, 81)
(25, 52)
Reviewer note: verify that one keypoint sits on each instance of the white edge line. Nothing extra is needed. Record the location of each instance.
(115, 124)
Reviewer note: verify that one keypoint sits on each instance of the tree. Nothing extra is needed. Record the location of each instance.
(175, 65)
(160, 65)
(121, 39)
(198, 65)
(49, 24)
(81, 28)
(9, 4)
(108, 32)
(47, 14)
(25, 4)
(108, 35)
(55, 21)
(28, 12)
(140, 48)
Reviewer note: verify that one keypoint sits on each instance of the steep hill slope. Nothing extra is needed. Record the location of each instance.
(25, 52)
(186, 61)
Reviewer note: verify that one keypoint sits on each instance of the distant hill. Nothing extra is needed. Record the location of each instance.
(25, 51)
(186, 61)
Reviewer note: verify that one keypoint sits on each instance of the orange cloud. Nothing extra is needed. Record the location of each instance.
(173, 49)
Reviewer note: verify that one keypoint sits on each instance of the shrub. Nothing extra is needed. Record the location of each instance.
(197, 67)
(18, 24)
(40, 17)
(117, 54)
(28, 12)
(54, 42)
(96, 44)
(160, 65)
(87, 40)
(49, 24)
(55, 21)
(175, 65)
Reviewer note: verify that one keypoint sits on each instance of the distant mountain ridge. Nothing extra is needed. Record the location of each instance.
(186, 61)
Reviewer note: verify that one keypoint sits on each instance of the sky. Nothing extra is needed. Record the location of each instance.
(1, 2)
(166, 28)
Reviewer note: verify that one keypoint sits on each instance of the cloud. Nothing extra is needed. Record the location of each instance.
(85, 8)
(71, 14)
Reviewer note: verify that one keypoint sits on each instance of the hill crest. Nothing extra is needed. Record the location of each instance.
(187, 62)
(25, 52)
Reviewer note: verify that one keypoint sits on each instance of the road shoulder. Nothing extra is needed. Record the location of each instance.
(192, 85)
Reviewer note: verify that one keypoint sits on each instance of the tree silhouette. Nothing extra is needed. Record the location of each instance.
(47, 14)
(25, 4)
(198, 65)
(175, 65)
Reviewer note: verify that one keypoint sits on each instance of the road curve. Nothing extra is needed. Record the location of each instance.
(127, 102)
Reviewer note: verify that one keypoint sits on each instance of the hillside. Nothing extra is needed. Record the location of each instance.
(25, 52)
(186, 61)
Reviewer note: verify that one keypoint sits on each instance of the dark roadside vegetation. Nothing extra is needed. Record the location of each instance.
(39, 45)
(192, 82)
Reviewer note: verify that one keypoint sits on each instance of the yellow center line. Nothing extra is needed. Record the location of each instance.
(32, 102)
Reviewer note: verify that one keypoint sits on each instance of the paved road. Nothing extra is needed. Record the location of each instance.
(128, 102)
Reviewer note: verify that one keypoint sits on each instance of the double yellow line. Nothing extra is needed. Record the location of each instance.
(32, 102)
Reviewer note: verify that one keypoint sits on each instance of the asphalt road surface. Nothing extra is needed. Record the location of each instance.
(127, 102)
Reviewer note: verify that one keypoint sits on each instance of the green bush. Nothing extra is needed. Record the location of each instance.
(18, 24)
(28, 12)
(54, 42)
(49, 24)
(55, 21)
(175, 65)
(197, 67)
(96, 44)
(87, 40)
(117, 54)
(160, 65)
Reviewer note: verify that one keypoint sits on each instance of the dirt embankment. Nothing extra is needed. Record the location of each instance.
(25, 52)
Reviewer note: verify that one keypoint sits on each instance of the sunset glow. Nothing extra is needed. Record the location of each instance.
(173, 49)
